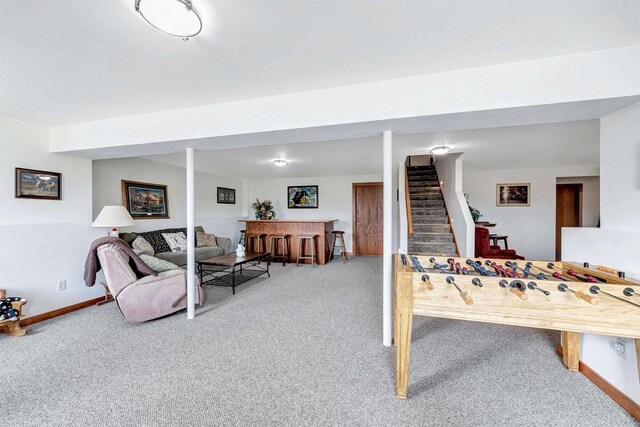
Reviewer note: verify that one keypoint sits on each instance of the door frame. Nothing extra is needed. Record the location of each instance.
(580, 187)
(354, 236)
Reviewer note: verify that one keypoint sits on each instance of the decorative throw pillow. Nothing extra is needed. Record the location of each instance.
(141, 244)
(157, 264)
(206, 239)
(158, 242)
(177, 241)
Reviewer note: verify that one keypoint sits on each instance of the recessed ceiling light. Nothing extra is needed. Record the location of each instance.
(280, 162)
(174, 17)
(440, 149)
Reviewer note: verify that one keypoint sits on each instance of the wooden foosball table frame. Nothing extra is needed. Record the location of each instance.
(431, 293)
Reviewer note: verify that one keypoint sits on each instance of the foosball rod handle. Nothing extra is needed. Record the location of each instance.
(586, 298)
(517, 292)
(466, 298)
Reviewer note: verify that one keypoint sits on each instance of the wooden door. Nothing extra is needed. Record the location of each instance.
(367, 218)
(568, 211)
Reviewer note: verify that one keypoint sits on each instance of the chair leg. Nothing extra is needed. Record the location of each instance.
(333, 246)
(345, 257)
(314, 259)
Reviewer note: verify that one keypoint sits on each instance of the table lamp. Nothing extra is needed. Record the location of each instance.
(113, 217)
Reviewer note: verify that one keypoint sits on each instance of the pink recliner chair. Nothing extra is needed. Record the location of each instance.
(149, 297)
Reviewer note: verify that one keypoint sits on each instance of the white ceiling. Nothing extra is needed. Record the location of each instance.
(516, 147)
(308, 159)
(68, 61)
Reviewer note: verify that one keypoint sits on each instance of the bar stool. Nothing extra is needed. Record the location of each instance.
(302, 241)
(342, 247)
(243, 238)
(256, 242)
(274, 241)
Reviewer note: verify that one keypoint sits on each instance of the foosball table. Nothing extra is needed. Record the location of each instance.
(562, 296)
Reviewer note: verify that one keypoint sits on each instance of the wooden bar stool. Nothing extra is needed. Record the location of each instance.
(302, 241)
(342, 247)
(256, 242)
(243, 238)
(274, 240)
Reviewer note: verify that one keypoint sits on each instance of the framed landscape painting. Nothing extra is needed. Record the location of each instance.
(36, 184)
(144, 200)
(226, 196)
(302, 197)
(513, 194)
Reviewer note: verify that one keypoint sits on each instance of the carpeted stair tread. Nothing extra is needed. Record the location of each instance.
(431, 228)
(433, 247)
(431, 238)
(430, 220)
(426, 203)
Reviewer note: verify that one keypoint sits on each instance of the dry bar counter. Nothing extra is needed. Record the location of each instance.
(320, 227)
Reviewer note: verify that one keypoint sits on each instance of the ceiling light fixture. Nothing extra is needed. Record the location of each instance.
(280, 162)
(174, 17)
(440, 149)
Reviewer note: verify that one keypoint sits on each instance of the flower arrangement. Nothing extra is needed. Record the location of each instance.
(264, 209)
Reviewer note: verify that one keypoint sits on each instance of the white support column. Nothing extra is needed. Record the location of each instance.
(191, 256)
(387, 249)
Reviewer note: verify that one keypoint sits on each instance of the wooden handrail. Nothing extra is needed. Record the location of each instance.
(407, 197)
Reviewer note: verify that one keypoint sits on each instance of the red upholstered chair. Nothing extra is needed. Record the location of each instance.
(485, 250)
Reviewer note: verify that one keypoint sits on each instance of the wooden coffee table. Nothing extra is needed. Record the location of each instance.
(231, 270)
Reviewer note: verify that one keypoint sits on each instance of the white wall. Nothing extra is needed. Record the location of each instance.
(531, 230)
(449, 169)
(590, 197)
(43, 241)
(220, 219)
(620, 250)
(335, 199)
(620, 169)
(617, 243)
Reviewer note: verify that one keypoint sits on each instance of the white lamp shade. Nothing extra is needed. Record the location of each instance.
(114, 216)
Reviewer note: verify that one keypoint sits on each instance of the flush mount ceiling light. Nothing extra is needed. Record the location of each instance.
(174, 17)
(280, 162)
(440, 149)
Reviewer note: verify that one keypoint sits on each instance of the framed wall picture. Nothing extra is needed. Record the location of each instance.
(302, 197)
(513, 194)
(226, 196)
(37, 184)
(144, 200)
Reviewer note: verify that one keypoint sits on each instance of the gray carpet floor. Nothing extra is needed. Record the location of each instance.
(300, 348)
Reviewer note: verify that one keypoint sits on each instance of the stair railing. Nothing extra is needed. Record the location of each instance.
(407, 196)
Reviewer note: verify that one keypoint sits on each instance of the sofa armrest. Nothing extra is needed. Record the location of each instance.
(224, 243)
(152, 297)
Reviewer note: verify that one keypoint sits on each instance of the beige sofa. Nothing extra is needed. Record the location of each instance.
(179, 258)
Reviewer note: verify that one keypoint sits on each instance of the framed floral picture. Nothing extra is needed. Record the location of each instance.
(144, 200)
(37, 184)
(302, 197)
(513, 194)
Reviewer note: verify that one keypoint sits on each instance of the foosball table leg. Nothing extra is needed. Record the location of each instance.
(571, 350)
(404, 318)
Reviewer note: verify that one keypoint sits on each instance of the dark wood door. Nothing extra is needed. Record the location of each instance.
(568, 210)
(367, 218)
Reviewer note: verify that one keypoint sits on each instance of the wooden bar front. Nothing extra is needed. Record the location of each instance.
(294, 228)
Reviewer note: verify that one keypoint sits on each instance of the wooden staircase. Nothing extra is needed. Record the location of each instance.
(432, 234)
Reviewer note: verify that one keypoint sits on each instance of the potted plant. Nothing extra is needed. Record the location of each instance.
(263, 210)
(475, 213)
